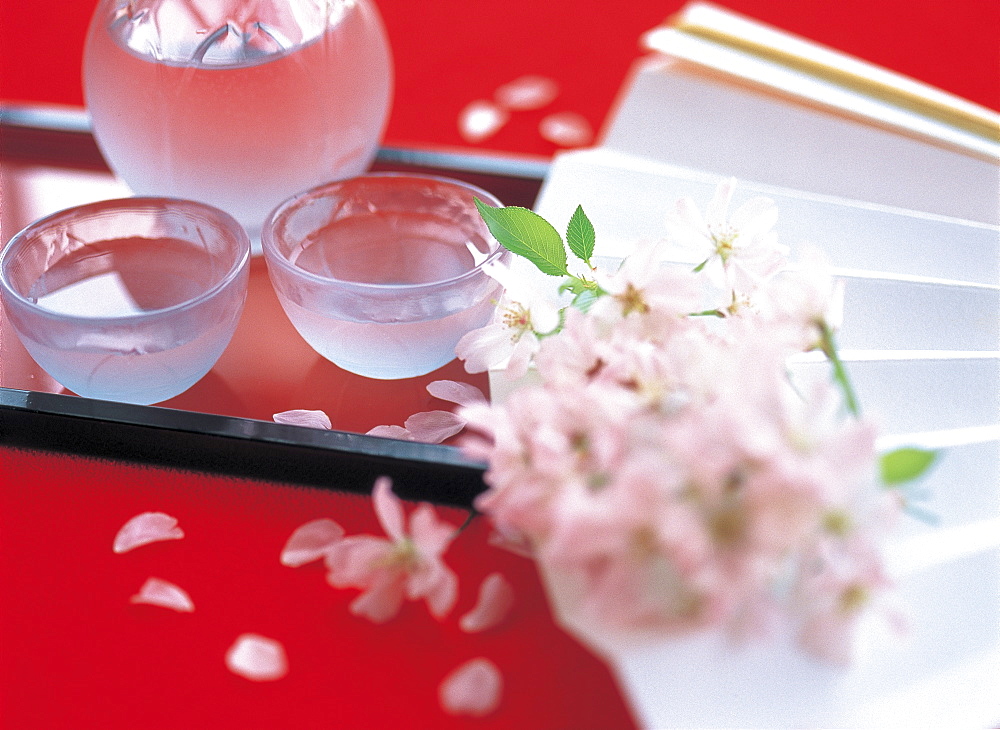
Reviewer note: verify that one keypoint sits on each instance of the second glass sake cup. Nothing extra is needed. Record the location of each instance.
(383, 274)
(129, 300)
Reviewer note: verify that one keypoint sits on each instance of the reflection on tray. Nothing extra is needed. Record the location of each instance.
(267, 367)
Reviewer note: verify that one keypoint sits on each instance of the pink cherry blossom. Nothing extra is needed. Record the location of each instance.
(512, 339)
(159, 592)
(311, 542)
(496, 596)
(257, 658)
(642, 286)
(738, 251)
(310, 419)
(146, 528)
(833, 598)
(473, 689)
(408, 565)
(798, 304)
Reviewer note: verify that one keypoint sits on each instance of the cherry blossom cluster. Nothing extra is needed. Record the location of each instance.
(665, 460)
(408, 564)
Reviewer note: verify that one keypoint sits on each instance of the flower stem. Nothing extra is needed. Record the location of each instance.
(468, 521)
(829, 348)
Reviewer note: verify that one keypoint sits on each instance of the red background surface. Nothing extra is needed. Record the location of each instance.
(75, 653)
(450, 52)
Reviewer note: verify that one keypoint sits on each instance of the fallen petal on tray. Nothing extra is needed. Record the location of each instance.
(310, 419)
(146, 528)
(455, 392)
(391, 432)
(433, 427)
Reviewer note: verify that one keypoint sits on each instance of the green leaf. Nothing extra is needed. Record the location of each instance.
(574, 285)
(905, 465)
(580, 235)
(525, 233)
(585, 300)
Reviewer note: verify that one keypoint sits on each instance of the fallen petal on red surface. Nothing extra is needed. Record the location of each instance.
(472, 689)
(146, 528)
(566, 129)
(480, 120)
(310, 542)
(163, 593)
(527, 92)
(496, 596)
(257, 658)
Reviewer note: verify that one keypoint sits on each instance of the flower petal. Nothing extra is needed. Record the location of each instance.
(310, 542)
(496, 596)
(158, 592)
(437, 584)
(354, 561)
(388, 508)
(755, 217)
(527, 92)
(383, 598)
(146, 528)
(472, 689)
(430, 534)
(391, 432)
(482, 348)
(480, 120)
(257, 658)
(717, 207)
(453, 391)
(433, 427)
(566, 129)
(520, 358)
(310, 419)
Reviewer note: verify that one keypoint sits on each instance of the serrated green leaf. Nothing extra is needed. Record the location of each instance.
(905, 465)
(580, 235)
(525, 233)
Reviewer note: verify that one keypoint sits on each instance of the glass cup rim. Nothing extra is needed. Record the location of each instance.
(229, 224)
(273, 254)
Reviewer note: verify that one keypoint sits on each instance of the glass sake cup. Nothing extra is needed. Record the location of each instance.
(383, 274)
(127, 300)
